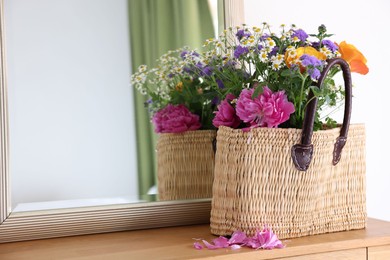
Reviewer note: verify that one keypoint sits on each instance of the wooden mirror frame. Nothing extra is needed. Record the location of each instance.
(19, 226)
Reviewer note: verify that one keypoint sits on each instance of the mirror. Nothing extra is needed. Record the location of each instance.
(69, 103)
(71, 220)
(69, 127)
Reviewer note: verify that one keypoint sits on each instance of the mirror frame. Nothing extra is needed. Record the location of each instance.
(19, 226)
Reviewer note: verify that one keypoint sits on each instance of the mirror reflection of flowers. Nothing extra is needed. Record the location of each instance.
(178, 101)
(263, 78)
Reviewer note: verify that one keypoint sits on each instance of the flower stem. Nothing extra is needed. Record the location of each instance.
(301, 96)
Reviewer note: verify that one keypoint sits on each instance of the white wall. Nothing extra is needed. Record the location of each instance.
(365, 24)
(72, 134)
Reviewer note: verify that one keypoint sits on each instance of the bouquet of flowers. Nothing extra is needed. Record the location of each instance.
(263, 78)
(247, 78)
(178, 99)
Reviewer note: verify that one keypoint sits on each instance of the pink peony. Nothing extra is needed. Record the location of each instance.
(250, 110)
(175, 119)
(268, 109)
(226, 115)
(276, 107)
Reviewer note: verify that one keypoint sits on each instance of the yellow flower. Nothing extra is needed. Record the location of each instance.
(354, 57)
(179, 86)
(293, 57)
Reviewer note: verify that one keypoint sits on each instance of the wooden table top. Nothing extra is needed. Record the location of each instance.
(177, 243)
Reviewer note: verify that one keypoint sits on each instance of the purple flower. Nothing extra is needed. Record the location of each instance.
(230, 64)
(264, 36)
(215, 101)
(226, 115)
(207, 71)
(242, 33)
(274, 51)
(199, 65)
(314, 73)
(195, 54)
(327, 43)
(175, 119)
(220, 84)
(330, 45)
(313, 66)
(183, 54)
(308, 60)
(269, 109)
(240, 50)
(188, 70)
(260, 47)
(300, 34)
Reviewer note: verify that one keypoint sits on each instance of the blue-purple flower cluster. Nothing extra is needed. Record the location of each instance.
(313, 66)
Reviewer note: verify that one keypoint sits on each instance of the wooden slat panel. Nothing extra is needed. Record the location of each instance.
(379, 253)
(352, 254)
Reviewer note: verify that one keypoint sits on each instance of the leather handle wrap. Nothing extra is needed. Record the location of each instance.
(302, 153)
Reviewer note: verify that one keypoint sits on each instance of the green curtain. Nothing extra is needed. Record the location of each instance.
(157, 26)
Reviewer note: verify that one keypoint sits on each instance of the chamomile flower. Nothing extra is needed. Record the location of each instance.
(263, 55)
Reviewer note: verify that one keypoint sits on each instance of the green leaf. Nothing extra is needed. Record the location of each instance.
(259, 89)
(316, 91)
(330, 123)
(286, 73)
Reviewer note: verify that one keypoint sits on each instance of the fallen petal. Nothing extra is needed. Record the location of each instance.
(269, 240)
(210, 246)
(253, 243)
(198, 246)
(221, 241)
(264, 239)
(238, 237)
(235, 247)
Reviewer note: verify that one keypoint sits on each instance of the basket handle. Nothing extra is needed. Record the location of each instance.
(302, 153)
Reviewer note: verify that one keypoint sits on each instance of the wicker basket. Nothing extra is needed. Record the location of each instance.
(263, 177)
(185, 165)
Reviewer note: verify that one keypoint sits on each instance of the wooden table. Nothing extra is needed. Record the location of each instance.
(176, 243)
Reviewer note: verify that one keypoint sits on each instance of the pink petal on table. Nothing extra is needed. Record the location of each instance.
(210, 246)
(221, 242)
(253, 243)
(198, 246)
(238, 237)
(268, 239)
(235, 247)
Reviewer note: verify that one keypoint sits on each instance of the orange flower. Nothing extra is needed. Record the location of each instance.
(354, 57)
(179, 86)
(293, 56)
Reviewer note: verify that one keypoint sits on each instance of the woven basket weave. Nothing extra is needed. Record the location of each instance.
(256, 183)
(185, 166)
(298, 182)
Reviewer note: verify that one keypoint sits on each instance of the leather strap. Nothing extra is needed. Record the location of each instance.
(302, 153)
